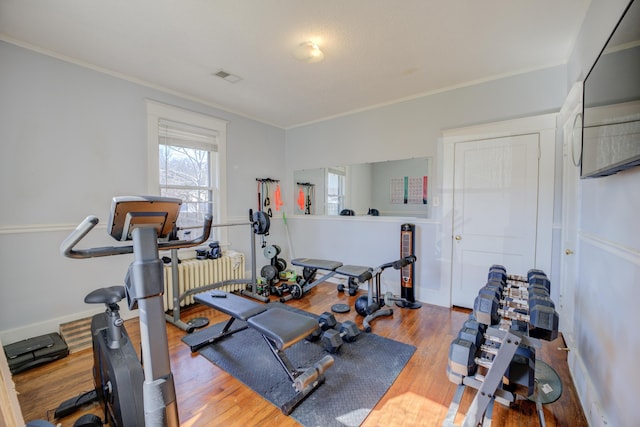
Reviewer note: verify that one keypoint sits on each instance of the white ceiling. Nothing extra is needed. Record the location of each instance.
(376, 51)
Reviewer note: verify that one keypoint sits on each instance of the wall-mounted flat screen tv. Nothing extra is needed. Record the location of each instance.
(611, 116)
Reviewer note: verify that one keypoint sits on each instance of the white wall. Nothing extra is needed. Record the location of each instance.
(72, 138)
(604, 360)
(407, 129)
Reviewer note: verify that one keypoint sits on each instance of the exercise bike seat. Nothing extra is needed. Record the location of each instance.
(110, 295)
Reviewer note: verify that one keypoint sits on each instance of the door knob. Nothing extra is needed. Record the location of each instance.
(458, 237)
(568, 252)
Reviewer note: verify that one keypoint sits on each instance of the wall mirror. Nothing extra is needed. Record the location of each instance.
(389, 188)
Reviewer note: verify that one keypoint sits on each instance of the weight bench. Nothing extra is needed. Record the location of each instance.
(311, 266)
(280, 329)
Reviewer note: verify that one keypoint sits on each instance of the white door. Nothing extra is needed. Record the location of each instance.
(495, 210)
(569, 120)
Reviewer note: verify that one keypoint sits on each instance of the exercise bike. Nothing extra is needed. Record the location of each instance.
(133, 394)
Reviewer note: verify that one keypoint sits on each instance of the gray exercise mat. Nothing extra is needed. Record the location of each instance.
(362, 373)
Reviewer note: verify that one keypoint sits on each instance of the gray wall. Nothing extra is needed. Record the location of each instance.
(72, 138)
(604, 361)
(406, 130)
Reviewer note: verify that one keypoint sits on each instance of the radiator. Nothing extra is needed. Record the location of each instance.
(195, 273)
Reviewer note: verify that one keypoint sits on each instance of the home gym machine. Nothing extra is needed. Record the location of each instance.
(259, 223)
(371, 306)
(133, 394)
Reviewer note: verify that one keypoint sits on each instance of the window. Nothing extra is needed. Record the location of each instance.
(335, 190)
(186, 161)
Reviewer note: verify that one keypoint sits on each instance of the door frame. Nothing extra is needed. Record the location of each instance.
(570, 205)
(545, 127)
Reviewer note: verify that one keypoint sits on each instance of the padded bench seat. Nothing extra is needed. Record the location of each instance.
(235, 306)
(283, 327)
(320, 264)
(280, 329)
(353, 270)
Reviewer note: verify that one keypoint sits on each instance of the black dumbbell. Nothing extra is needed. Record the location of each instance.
(539, 290)
(332, 339)
(521, 370)
(462, 355)
(474, 324)
(540, 320)
(326, 321)
(485, 307)
(543, 321)
(475, 335)
(492, 288)
(538, 277)
(497, 272)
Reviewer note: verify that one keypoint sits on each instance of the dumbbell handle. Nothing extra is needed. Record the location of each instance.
(309, 376)
(512, 314)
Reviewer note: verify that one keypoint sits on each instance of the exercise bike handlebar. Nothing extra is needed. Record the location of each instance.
(68, 245)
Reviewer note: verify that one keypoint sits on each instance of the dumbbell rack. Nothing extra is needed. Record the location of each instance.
(488, 386)
(482, 359)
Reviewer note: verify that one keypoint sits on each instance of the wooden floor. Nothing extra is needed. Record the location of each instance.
(208, 396)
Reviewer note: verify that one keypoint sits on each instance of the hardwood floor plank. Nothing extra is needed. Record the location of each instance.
(209, 396)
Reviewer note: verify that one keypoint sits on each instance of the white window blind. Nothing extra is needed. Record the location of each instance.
(188, 160)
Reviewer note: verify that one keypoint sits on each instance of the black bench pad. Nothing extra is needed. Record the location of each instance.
(320, 264)
(283, 327)
(352, 270)
(233, 305)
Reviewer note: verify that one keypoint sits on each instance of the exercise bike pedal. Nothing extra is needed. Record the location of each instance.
(69, 406)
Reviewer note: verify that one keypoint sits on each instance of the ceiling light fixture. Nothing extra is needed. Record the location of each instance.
(308, 52)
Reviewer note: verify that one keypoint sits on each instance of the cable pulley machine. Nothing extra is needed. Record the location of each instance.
(259, 224)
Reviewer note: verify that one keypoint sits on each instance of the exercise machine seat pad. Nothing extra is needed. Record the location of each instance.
(352, 270)
(233, 305)
(320, 264)
(284, 328)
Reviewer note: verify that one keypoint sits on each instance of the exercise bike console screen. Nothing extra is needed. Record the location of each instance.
(131, 212)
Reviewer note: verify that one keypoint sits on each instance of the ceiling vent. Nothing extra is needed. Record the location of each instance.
(231, 78)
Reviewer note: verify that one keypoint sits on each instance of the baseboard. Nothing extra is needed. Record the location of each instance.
(587, 394)
(435, 297)
(10, 336)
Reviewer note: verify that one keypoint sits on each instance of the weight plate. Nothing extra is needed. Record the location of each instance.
(296, 291)
(281, 264)
(388, 299)
(198, 322)
(269, 272)
(309, 274)
(270, 251)
(261, 223)
(340, 308)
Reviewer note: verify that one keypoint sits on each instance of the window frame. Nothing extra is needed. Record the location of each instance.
(341, 196)
(158, 112)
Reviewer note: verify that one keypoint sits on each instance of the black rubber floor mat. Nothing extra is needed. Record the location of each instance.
(362, 373)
